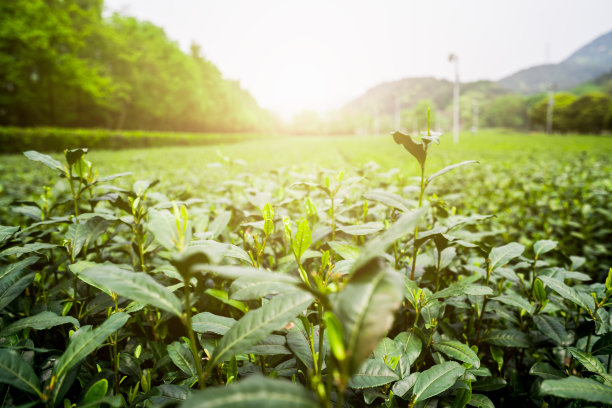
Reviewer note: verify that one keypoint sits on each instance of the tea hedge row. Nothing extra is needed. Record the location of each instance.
(17, 140)
(307, 289)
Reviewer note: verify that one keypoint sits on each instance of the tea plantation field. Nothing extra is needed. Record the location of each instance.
(307, 272)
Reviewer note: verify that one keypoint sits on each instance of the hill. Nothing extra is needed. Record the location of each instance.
(586, 64)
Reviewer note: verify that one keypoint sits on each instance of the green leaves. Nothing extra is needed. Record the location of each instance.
(543, 246)
(447, 169)
(83, 342)
(365, 307)
(418, 150)
(44, 159)
(16, 372)
(137, 286)
(436, 379)
(268, 216)
(372, 373)
(507, 338)
(254, 392)
(578, 388)
(568, 293)
(458, 351)
(41, 321)
(302, 240)
(257, 324)
(502, 255)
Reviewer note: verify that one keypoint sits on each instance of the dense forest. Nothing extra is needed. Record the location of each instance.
(65, 64)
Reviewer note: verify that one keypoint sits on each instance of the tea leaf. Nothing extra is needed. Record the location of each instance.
(414, 148)
(588, 361)
(543, 246)
(578, 388)
(372, 373)
(447, 169)
(303, 239)
(16, 372)
(133, 285)
(253, 392)
(603, 345)
(567, 292)
(507, 338)
(502, 255)
(84, 342)
(480, 401)
(458, 351)
(181, 357)
(206, 322)
(365, 307)
(41, 321)
(257, 324)
(44, 159)
(437, 379)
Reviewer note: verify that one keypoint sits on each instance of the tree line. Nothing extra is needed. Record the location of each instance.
(65, 64)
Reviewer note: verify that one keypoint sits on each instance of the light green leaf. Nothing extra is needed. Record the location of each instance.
(377, 246)
(182, 357)
(567, 292)
(437, 379)
(362, 229)
(254, 392)
(249, 288)
(578, 388)
(543, 246)
(96, 392)
(206, 322)
(365, 307)
(41, 321)
(133, 285)
(447, 169)
(388, 198)
(502, 255)
(303, 239)
(257, 324)
(44, 159)
(458, 351)
(372, 373)
(346, 251)
(16, 372)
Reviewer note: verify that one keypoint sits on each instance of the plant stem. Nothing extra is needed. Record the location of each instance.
(321, 332)
(416, 228)
(333, 218)
(192, 341)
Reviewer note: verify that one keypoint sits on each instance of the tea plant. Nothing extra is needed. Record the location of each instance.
(286, 289)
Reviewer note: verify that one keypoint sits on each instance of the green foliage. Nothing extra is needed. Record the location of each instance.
(67, 65)
(123, 293)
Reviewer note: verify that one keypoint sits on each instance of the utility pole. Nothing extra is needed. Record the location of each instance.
(455, 59)
(550, 109)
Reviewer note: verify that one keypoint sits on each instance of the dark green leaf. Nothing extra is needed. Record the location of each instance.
(372, 373)
(257, 324)
(41, 321)
(16, 372)
(210, 323)
(254, 392)
(437, 379)
(578, 388)
(133, 285)
(458, 351)
(414, 148)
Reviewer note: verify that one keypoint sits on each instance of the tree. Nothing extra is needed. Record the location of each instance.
(589, 113)
(561, 118)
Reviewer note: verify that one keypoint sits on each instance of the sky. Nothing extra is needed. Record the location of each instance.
(320, 54)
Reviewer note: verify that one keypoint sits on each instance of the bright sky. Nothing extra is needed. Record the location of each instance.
(295, 55)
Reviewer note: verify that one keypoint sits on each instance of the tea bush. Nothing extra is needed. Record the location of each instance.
(318, 289)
